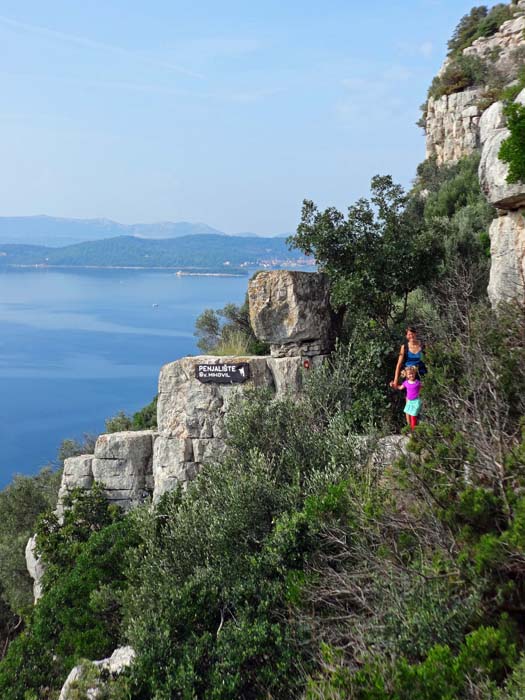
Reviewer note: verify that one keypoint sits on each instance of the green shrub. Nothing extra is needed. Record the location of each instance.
(79, 614)
(21, 503)
(512, 150)
(480, 22)
(462, 72)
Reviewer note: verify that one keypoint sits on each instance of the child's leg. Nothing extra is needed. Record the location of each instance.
(413, 422)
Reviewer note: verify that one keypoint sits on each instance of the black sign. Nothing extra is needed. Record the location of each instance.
(223, 373)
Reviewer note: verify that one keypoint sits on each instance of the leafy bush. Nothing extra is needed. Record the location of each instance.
(478, 23)
(79, 615)
(378, 254)
(228, 331)
(145, 419)
(221, 566)
(21, 503)
(460, 73)
(512, 150)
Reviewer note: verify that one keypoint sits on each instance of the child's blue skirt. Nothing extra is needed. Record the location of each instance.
(413, 408)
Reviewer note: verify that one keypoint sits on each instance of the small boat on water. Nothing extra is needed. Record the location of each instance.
(155, 306)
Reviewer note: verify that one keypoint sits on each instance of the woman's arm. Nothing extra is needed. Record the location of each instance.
(399, 364)
(394, 385)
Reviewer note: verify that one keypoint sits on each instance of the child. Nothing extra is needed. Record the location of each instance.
(413, 402)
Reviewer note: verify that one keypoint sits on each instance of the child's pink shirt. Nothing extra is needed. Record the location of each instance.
(412, 389)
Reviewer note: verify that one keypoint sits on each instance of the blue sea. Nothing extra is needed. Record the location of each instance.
(79, 346)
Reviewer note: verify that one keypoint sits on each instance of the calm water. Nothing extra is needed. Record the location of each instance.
(76, 347)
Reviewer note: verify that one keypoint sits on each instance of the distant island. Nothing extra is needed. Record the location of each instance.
(211, 253)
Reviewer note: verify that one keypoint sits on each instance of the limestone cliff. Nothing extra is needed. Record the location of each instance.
(289, 310)
(461, 123)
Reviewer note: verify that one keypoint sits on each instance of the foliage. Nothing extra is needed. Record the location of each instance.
(145, 419)
(213, 583)
(20, 505)
(119, 422)
(228, 331)
(486, 655)
(73, 448)
(457, 212)
(460, 73)
(480, 22)
(79, 614)
(512, 150)
(380, 253)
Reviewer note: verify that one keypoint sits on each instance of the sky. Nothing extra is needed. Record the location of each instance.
(229, 113)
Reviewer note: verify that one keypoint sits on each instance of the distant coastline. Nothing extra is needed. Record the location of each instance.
(177, 270)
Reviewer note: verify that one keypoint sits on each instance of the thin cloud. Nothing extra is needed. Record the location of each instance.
(95, 45)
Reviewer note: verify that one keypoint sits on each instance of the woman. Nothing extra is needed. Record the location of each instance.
(410, 354)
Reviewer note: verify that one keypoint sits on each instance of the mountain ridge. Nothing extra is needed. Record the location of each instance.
(206, 251)
(52, 231)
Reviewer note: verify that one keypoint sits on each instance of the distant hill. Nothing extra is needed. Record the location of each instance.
(56, 232)
(200, 252)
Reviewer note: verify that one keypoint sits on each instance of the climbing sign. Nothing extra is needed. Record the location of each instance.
(226, 373)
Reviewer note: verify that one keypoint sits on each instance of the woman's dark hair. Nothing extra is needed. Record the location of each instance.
(412, 329)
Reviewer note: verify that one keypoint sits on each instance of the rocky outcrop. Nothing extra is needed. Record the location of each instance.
(121, 659)
(507, 231)
(500, 48)
(77, 473)
(452, 126)
(493, 172)
(507, 251)
(122, 464)
(191, 415)
(291, 311)
(455, 127)
(35, 568)
(453, 123)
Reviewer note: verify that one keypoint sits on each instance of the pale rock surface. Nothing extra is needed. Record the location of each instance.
(121, 659)
(291, 311)
(35, 567)
(122, 463)
(493, 174)
(453, 123)
(288, 372)
(491, 120)
(507, 248)
(173, 464)
(191, 417)
(500, 48)
(77, 473)
(452, 126)
(389, 449)
(188, 408)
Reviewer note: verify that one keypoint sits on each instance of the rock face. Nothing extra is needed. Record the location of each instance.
(452, 126)
(455, 127)
(507, 231)
(291, 311)
(122, 463)
(191, 416)
(34, 567)
(500, 48)
(507, 249)
(78, 473)
(120, 659)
